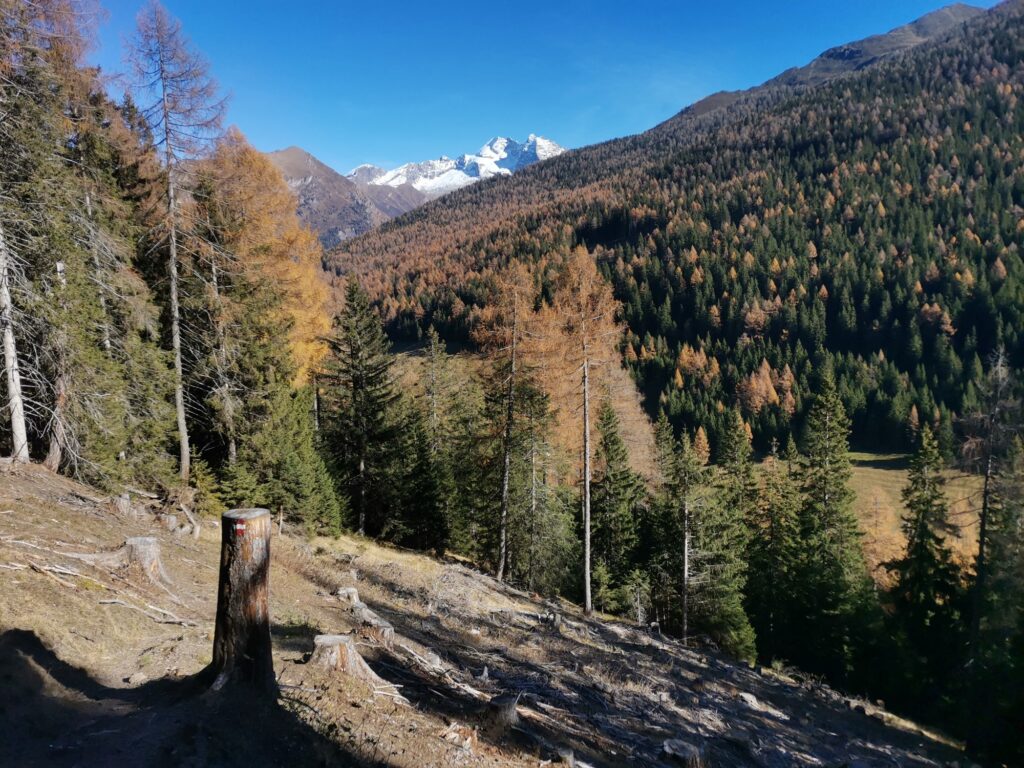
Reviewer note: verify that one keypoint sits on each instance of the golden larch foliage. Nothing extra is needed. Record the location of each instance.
(270, 241)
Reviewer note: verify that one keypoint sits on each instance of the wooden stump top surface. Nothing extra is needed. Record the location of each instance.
(245, 514)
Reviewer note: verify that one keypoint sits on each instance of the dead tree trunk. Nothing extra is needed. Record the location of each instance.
(510, 413)
(16, 403)
(241, 643)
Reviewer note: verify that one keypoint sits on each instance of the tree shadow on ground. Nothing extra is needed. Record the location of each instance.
(881, 461)
(53, 713)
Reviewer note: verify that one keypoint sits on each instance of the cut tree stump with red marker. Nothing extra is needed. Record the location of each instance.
(241, 643)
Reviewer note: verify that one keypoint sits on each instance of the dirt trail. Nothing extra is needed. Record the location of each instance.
(100, 666)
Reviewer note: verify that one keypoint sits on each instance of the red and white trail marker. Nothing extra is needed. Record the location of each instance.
(239, 528)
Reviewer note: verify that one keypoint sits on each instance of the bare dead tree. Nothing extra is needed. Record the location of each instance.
(184, 113)
(15, 398)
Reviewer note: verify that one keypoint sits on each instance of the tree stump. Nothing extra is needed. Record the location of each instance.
(143, 552)
(241, 643)
(139, 553)
(338, 652)
(373, 626)
(350, 595)
(501, 715)
(687, 753)
(123, 505)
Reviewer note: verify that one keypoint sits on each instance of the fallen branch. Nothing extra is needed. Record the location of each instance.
(172, 619)
(46, 572)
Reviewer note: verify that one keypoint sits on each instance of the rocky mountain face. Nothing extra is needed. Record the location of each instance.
(335, 207)
(339, 207)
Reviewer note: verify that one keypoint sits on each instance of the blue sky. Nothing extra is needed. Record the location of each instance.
(387, 82)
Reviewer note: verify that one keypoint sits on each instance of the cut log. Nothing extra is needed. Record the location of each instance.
(372, 625)
(241, 643)
(195, 527)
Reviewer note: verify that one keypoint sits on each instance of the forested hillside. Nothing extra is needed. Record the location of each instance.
(161, 302)
(875, 220)
(783, 272)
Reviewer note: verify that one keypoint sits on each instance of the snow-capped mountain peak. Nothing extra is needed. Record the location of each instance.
(500, 156)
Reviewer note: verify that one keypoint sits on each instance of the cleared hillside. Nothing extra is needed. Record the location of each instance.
(99, 665)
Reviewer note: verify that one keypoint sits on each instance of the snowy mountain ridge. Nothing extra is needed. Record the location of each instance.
(500, 156)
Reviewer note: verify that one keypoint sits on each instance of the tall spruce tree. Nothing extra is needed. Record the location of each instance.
(833, 583)
(720, 538)
(618, 494)
(926, 592)
(772, 555)
(361, 402)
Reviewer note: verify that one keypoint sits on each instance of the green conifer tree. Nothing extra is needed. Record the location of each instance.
(927, 589)
(360, 405)
(618, 494)
(833, 583)
(773, 553)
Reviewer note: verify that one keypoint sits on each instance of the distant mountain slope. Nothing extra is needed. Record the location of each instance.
(844, 59)
(870, 214)
(498, 157)
(333, 206)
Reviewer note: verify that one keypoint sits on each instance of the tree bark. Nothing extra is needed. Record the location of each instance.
(58, 430)
(16, 402)
(241, 643)
(362, 495)
(98, 273)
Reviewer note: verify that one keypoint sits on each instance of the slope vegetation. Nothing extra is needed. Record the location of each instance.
(867, 213)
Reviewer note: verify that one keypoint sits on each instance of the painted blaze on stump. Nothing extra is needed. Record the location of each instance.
(241, 643)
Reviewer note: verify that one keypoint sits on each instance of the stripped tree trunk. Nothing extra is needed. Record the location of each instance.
(588, 603)
(228, 408)
(184, 453)
(58, 426)
(16, 402)
(241, 643)
(510, 410)
(98, 276)
(686, 571)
